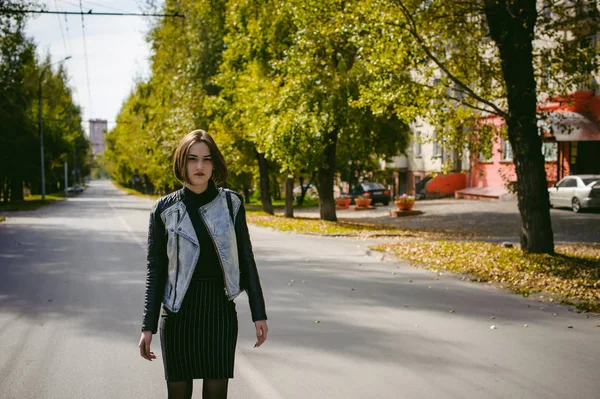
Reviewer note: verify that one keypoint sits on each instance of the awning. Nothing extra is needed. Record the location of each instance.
(569, 126)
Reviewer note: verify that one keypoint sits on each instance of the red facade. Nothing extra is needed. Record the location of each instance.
(574, 151)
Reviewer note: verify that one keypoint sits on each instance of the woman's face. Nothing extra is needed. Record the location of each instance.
(199, 166)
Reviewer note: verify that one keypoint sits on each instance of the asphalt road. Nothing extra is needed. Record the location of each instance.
(489, 220)
(343, 323)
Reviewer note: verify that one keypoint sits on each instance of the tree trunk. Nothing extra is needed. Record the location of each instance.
(246, 194)
(6, 190)
(511, 26)
(3, 190)
(16, 189)
(289, 196)
(300, 199)
(276, 190)
(325, 177)
(265, 195)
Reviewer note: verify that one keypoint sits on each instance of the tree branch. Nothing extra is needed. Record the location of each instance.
(412, 29)
(463, 102)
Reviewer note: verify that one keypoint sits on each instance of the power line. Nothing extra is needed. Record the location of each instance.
(83, 120)
(91, 13)
(62, 32)
(68, 41)
(87, 70)
(104, 5)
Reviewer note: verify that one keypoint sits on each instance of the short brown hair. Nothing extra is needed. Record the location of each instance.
(220, 171)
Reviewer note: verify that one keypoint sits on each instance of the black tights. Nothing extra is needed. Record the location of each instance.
(211, 389)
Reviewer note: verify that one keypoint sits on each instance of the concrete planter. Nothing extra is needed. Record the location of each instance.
(363, 202)
(404, 205)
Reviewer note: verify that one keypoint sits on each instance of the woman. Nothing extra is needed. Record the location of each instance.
(199, 260)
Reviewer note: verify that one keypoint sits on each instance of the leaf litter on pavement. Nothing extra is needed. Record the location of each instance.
(572, 275)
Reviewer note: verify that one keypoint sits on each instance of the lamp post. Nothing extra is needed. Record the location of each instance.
(40, 123)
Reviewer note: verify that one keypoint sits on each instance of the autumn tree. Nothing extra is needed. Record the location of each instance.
(455, 63)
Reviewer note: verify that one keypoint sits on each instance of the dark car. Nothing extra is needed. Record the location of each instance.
(375, 191)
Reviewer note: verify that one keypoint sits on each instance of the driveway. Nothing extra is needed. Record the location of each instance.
(492, 220)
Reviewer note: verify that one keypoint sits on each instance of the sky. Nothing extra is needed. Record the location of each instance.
(117, 53)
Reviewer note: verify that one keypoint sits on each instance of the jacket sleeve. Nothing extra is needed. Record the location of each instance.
(249, 278)
(156, 272)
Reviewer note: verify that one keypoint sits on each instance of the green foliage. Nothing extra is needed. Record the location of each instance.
(436, 60)
(22, 77)
(174, 100)
(331, 86)
(260, 77)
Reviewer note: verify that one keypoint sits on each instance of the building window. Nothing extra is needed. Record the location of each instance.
(507, 152)
(550, 151)
(437, 147)
(484, 158)
(417, 144)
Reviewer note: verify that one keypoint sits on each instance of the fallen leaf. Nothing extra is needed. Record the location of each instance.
(493, 327)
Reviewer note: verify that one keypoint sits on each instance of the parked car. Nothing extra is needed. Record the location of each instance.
(75, 189)
(420, 191)
(311, 191)
(577, 192)
(377, 192)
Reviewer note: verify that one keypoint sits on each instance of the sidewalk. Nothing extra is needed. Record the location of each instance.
(491, 220)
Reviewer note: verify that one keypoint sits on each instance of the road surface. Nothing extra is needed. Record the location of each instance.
(343, 323)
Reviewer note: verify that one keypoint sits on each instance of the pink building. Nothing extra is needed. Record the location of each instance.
(571, 146)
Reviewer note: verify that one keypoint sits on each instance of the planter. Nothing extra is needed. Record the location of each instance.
(404, 205)
(363, 202)
(343, 203)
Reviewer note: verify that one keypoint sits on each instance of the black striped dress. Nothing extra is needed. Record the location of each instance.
(199, 341)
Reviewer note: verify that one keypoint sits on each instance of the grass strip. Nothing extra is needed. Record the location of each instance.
(131, 191)
(317, 226)
(571, 276)
(32, 202)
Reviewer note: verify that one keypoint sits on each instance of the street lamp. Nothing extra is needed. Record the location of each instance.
(40, 123)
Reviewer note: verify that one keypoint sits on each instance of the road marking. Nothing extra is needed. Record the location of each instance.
(255, 378)
(131, 232)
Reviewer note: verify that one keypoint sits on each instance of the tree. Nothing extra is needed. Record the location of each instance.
(20, 75)
(17, 130)
(175, 99)
(464, 61)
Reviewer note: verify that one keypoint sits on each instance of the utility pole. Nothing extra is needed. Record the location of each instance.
(41, 123)
(66, 179)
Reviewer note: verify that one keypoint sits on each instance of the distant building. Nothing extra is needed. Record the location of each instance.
(98, 128)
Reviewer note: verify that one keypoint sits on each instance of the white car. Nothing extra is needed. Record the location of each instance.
(576, 192)
(311, 191)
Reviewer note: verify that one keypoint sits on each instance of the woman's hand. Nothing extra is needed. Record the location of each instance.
(144, 345)
(261, 332)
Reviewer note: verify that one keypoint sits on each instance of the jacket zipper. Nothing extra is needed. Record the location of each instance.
(218, 255)
(177, 262)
